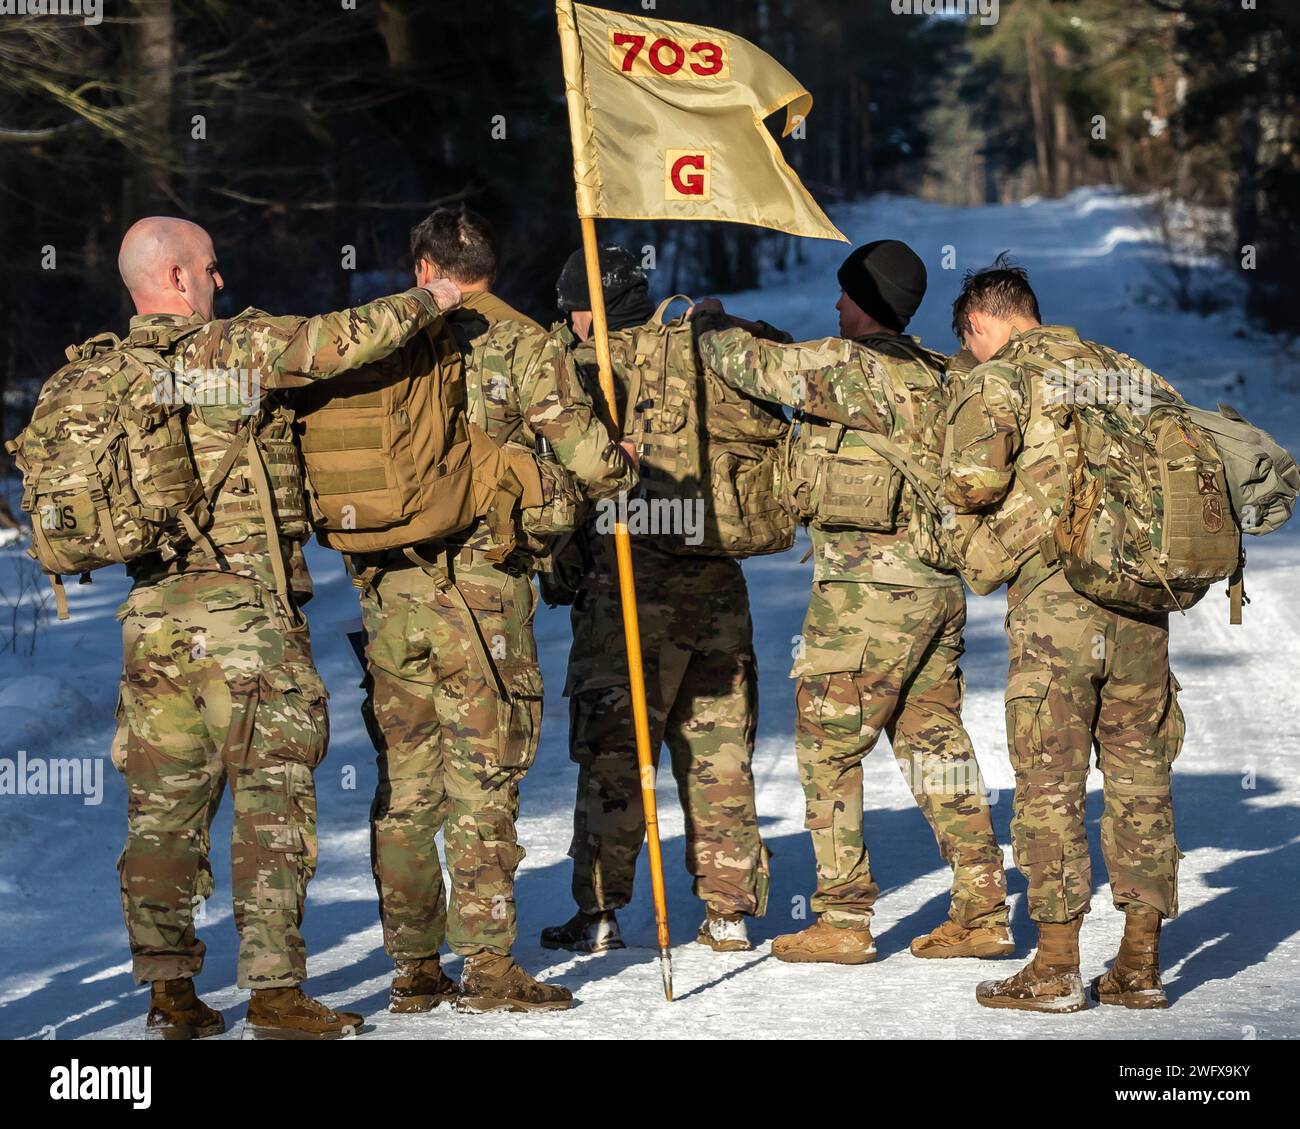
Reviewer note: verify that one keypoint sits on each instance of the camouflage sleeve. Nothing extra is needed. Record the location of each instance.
(833, 379)
(557, 408)
(984, 437)
(289, 352)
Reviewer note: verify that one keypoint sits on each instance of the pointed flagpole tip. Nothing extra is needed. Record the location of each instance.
(666, 968)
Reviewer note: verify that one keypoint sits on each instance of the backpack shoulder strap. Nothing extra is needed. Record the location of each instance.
(662, 309)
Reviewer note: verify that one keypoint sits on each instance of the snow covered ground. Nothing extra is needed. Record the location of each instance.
(1232, 958)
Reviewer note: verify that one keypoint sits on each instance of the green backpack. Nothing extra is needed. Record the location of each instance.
(108, 476)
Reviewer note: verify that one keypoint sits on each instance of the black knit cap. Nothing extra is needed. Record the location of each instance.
(620, 272)
(887, 279)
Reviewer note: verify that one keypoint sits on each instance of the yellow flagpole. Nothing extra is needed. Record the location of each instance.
(622, 538)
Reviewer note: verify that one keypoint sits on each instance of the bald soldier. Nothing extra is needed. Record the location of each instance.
(219, 686)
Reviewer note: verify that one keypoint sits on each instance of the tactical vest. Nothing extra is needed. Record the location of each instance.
(700, 441)
(842, 478)
(392, 461)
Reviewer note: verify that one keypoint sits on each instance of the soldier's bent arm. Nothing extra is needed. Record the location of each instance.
(833, 379)
(984, 438)
(289, 352)
(557, 408)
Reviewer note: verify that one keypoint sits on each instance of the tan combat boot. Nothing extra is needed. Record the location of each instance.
(1049, 982)
(420, 985)
(492, 981)
(175, 1012)
(953, 940)
(289, 1013)
(1134, 979)
(724, 932)
(823, 942)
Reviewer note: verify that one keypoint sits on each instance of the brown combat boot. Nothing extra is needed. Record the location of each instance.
(1049, 982)
(823, 942)
(175, 1012)
(289, 1013)
(953, 940)
(420, 985)
(1134, 979)
(492, 981)
(724, 932)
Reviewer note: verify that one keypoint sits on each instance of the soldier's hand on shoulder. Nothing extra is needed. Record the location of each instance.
(706, 306)
(445, 292)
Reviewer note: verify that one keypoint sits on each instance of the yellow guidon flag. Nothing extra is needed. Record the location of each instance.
(667, 124)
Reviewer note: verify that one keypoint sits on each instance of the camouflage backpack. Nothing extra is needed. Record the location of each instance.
(108, 475)
(1147, 525)
(700, 440)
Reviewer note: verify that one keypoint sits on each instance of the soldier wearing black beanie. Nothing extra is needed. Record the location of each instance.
(887, 281)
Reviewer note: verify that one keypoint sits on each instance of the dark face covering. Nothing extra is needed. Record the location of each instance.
(631, 308)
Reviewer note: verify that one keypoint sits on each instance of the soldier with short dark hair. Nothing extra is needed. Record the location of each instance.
(454, 700)
(1081, 675)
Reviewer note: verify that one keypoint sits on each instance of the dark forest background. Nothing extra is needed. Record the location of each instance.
(292, 130)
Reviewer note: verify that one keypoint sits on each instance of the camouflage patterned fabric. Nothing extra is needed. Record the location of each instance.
(701, 689)
(452, 749)
(880, 646)
(1078, 673)
(884, 658)
(454, 740)
(218, 678)
(218, 687)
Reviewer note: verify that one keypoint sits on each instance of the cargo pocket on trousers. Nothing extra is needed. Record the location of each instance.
(281, 858)
(821, 815)
(293, 709)
(519, 716)
(1026, 693)
(1056, 872)
(121, 732)
(1173, 731)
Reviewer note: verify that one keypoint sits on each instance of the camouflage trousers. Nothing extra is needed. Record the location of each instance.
(701, 690)
(1082, 675)
(454, 709)
(878, 657)
(218, 688)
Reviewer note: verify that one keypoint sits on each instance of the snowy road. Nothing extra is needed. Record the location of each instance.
(1232, 958)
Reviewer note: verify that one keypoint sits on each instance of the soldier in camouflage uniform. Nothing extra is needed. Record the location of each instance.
(219, 685)
(455, 692)
(883, 635)
(701, 688)
(1080, 674)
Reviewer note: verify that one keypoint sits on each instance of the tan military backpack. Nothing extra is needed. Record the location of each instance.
(108, 475)
(393, 461)
(699, 439)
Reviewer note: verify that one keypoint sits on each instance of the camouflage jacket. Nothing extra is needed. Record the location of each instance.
(1008, 447)
(249, 364)
(521, 386)
(840, 381)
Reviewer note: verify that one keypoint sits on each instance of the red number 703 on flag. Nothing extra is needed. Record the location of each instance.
(641, 56)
